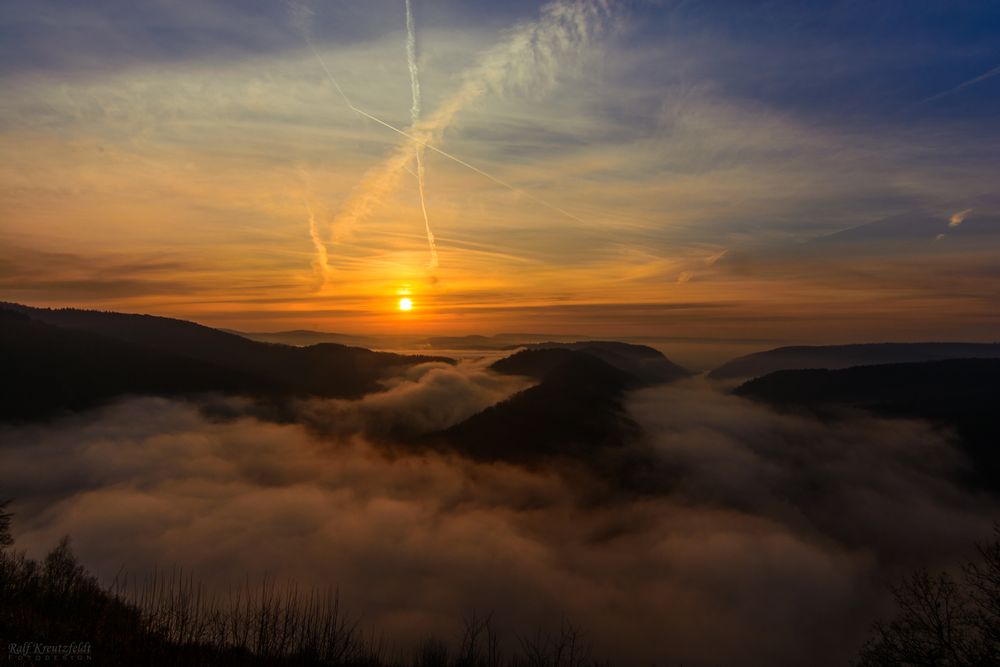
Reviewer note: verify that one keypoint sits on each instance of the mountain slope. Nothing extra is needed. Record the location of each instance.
(115, 353)
(302, 337)
(48, 370)
(576, 410)
(957, 393)
(845, 356)
(326, 369)
(646, 364)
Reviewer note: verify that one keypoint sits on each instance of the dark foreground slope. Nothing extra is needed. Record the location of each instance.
(575, 410)
(68, 359)
(171, 621)
(845, 356)
(961, 394)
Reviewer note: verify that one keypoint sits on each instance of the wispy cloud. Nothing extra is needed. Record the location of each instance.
(958, 218)
(532, 52)
(649, 144)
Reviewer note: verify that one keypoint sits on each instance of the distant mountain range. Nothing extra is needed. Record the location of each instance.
(59, 360)
(64, 360)
(503, 341)
(845, 356)
(304, 337)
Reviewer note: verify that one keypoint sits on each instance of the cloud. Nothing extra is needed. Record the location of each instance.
(758, 538)
(847, 478)
(321, 263)
(426, 398)
(712, 259)
(530, 57)
(29, 273)
(958, 218)
(201, 154)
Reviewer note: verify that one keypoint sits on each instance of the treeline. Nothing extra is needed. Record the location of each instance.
(941, 621)
(170, 619)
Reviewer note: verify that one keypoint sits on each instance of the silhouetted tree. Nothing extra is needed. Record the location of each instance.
(480, 644)
(943, 621)
(6, 539)
(170, 620)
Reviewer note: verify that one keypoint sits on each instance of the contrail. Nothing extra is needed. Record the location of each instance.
(530, 53)
(322, 262)
(411, 58)
(965, 84)
(444, 116)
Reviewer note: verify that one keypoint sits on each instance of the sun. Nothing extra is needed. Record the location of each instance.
(405, 304)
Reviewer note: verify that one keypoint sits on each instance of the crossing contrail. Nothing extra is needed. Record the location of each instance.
(531, 52)
(397, 161)
(411, 58)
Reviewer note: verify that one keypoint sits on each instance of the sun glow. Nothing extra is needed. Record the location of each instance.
(405, 304)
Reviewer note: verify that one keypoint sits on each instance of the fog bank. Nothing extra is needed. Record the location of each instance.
(770, 540)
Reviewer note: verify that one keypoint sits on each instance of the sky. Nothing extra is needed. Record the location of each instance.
(735, 171)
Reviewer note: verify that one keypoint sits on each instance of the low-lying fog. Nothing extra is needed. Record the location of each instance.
(771, 543)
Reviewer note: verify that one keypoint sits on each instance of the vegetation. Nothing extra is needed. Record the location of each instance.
(831, 357)
(943, 621)
(958, 394)
(172, 620)
(64, 360)
(575, 411)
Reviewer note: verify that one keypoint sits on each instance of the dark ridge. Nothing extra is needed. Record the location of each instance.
(645, 364)
(85, 357)
(534, 363)
(168, 621)
(845, 356)
(48, 370)
(960, 394)
(472, 342)
(575, 411)
(300, 337)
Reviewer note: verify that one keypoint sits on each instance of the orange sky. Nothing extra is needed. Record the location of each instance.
(635, 207)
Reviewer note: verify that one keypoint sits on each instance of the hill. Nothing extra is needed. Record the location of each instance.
(957, 393)
(642, 362)
(302, 337)
(49, 369)
(845, 356)
(68, 359)
(576, 410)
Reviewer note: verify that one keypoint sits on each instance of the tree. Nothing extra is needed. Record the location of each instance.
(943, 621)
(6, 539)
